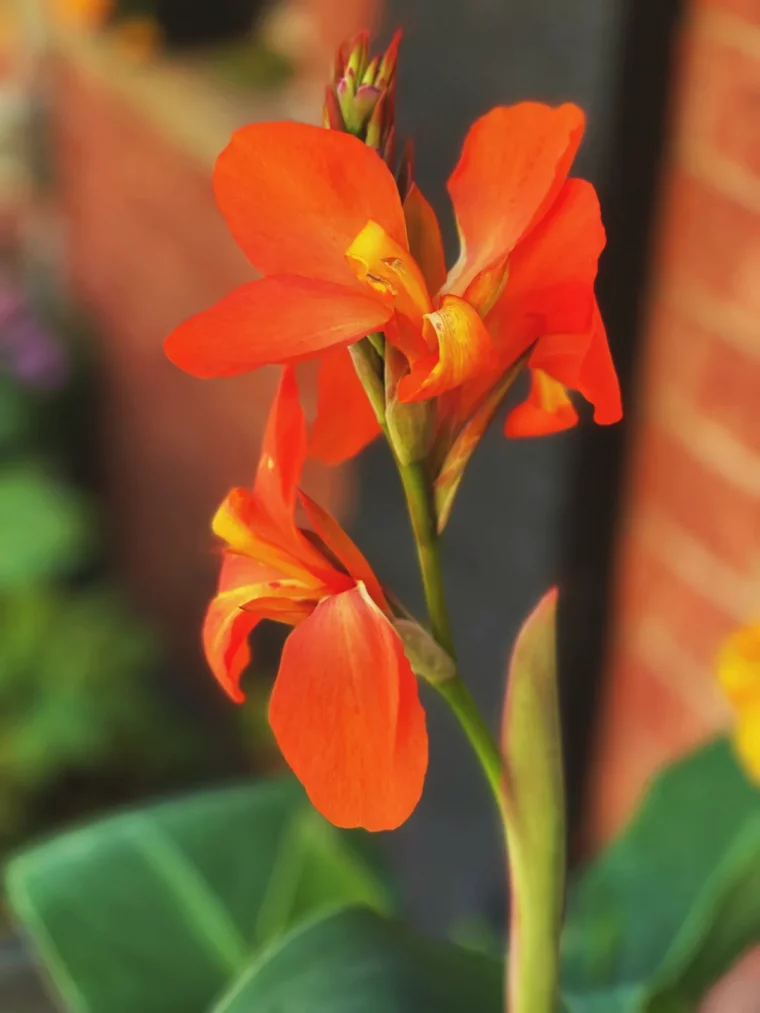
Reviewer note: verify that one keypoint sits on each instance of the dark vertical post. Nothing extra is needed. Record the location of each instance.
(628, 191)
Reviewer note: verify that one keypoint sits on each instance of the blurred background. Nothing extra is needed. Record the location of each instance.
(112, 461)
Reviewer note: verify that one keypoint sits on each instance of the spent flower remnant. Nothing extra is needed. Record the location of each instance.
(345, 254)
(345, 709)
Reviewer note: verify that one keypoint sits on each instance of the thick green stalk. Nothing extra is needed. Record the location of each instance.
(419, 502)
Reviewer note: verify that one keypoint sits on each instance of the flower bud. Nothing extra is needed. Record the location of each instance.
(361, 100)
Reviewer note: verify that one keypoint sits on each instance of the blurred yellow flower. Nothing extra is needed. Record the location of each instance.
(739, 676)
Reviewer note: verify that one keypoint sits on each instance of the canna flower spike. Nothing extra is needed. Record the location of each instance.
(345, 709)
(319, 214)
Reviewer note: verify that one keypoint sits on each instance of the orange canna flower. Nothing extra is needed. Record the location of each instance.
(345, 709)
(319, 215)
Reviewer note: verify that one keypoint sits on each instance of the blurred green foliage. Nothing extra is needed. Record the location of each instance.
(82, 713)
(244, 899)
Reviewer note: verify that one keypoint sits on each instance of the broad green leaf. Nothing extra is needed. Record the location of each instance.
(44, 528)
(355, 961)
(159, 909)
(675, 900)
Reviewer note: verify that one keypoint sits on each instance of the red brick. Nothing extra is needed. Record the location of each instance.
(647, 725)
(711, 240)
(721, 103)
(647, 588)
(718, 513)
(749, 10)
(706, 371)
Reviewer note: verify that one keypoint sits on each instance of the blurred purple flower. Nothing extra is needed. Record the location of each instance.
(28, 351)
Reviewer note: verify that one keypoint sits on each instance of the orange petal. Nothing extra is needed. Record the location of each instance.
(345, 421)
(551, 274)
(465, 350)
(389, 269)
(347, 716)
(583, 363)
(283, 452)
(513, 164)
(226, 626)
(344, 549)
(295, 196)
(598, 381)
(425, 240)
(273, 320)
(547, 409)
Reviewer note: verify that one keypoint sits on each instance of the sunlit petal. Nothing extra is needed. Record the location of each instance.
(273, 320)
(346, 714)
(295, 196)
(513, 164)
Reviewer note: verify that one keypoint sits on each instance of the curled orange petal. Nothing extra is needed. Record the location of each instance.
(226, 626)
(464, 350)
(583, 362)
(346, 714)
(547, 409)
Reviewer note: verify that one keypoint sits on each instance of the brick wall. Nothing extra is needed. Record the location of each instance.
(689, 566)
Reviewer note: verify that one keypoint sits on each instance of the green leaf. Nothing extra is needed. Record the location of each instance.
(157, 910)
(675, 900)
(534, 804)
(355, 961)
(44, 528)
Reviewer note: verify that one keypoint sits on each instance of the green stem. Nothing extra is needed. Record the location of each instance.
(534, 832)
(419, 502)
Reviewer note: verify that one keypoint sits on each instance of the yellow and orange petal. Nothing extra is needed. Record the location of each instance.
(514, 162)
(226, 626)
(295, 196)
(547, 409)
(464, 350)
(388, 268)
(346, 714)
(275, 320)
